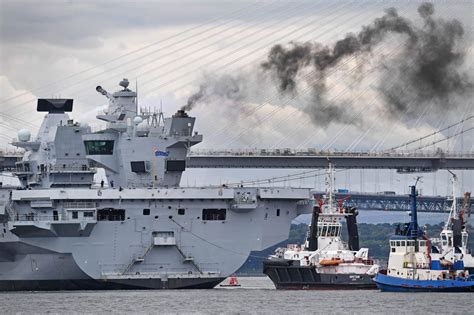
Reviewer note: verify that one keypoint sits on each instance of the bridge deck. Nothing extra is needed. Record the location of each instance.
(404, 162)
(384, 202)
(408, 163)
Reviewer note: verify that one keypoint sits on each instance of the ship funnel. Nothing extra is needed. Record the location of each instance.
(313, 232)
(181, 113)
(352, 230)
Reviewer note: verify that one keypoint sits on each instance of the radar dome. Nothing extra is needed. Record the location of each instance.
(24, 135)
(137, 120)
(124, 83)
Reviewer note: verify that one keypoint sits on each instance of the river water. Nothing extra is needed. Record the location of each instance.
(257, 295)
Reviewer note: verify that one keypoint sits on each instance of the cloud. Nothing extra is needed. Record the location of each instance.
(84, 35)
(86, 24)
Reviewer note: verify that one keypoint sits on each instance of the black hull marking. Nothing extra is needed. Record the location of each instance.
(306, 278)
(126, 284)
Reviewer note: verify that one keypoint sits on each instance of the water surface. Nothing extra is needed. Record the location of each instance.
(256, 296)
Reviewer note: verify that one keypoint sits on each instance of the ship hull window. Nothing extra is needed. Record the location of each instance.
(99, 147)
(175, 165)
(213, 214)
(138, 166)
(111, 214)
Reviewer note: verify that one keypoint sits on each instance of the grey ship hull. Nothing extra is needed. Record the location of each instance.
(64, 274)
(286, 276)
(61, 253)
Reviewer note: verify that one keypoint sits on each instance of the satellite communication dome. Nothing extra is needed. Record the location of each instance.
(24, 135)
(137, 120)
(124, 83)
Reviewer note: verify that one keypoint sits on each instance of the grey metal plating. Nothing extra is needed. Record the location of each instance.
(139, 230)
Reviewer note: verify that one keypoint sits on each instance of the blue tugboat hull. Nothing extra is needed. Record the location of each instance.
(394, 284)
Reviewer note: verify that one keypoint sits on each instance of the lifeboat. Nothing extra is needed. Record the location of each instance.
(330, 262)
(233, 282)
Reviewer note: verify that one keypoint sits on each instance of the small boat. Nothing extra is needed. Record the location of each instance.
(233, 282)
(414, 267)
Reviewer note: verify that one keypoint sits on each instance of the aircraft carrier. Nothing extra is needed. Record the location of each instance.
(138, 229)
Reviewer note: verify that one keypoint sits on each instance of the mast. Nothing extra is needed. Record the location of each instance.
(452, 211)
(330, 185)
(455, 220)
(414, 217)
(414, 231)
(136, 97)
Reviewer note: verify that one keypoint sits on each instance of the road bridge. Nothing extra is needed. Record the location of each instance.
(393, 202)
(402, 162)
(281, 159)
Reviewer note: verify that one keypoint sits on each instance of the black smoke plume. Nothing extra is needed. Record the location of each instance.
(427, 71)
(193, 99)
(217, 88)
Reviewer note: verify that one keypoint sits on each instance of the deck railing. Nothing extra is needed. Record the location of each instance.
(79, 205)
(32, 217)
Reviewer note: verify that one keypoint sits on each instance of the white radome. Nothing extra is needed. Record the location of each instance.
(24, 135)
(137, 120)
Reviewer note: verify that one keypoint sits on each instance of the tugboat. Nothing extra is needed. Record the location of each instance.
(412, 267)
(324, 261)
(454, 236)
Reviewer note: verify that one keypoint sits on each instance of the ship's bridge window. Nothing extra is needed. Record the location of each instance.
(403, 243)
(213, 214)
(99, 147)
(333, 231)
(322, 230)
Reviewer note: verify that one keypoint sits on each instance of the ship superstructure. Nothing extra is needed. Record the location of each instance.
(325, 261)
(414, 267)
(453, 240)
(139, 228)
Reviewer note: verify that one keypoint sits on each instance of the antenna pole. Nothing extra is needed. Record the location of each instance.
(136, 91)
